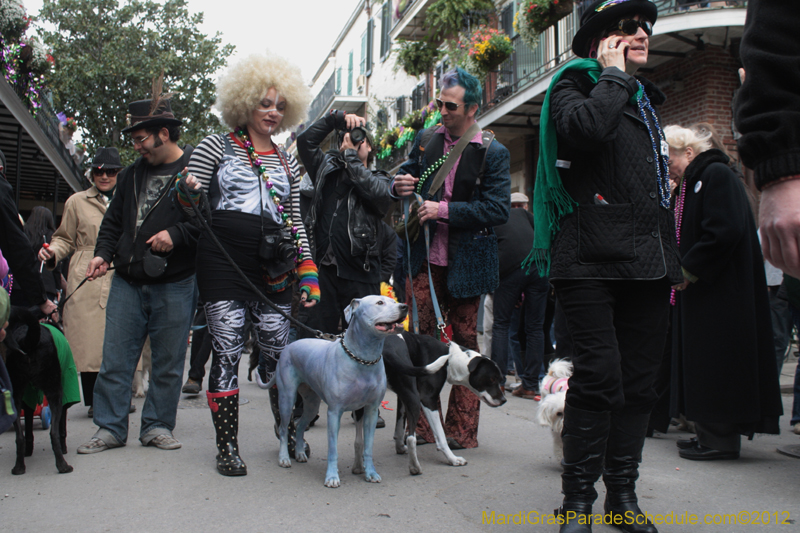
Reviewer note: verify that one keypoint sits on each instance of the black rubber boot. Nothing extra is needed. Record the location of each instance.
(584, 437)
(225, 414)
(276, 412)
(623, 455)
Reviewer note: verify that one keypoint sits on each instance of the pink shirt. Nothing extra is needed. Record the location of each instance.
(440, 239)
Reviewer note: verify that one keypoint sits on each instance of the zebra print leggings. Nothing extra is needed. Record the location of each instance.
(226, 323)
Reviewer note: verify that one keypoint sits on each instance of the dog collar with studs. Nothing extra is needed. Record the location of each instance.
(357, 359)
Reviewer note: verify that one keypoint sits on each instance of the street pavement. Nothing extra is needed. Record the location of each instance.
(513, 473)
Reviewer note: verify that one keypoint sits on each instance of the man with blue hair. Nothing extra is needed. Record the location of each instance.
(466, 191)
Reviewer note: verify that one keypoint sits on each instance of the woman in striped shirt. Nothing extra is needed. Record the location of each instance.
(253, 187)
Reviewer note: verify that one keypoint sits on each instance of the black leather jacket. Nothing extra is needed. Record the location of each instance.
(337, 175)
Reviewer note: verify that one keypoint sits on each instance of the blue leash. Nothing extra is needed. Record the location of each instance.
(407, 202)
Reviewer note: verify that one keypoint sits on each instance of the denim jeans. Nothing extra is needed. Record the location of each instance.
(164, 312)
(535, 289)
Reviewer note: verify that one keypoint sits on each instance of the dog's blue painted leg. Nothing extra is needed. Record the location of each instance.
(358, 463)
(287, 391)
(310, 409)
(370, 420)
(332, 475)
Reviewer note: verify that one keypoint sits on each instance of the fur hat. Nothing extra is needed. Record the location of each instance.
(601, 14)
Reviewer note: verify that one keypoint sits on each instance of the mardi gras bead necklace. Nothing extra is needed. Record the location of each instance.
(678, 223)
(262, 169)
(430, 170)
(662, 172)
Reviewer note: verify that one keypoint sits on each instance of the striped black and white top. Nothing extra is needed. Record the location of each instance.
(207, 156)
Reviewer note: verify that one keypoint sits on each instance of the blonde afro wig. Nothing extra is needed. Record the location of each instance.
(244, 85)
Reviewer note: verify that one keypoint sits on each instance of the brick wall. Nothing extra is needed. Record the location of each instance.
(700, 88)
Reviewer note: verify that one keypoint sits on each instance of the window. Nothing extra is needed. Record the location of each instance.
(386, 23)
(339, 80)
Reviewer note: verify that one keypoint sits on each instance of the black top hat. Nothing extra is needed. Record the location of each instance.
(141, 116)
(106, 158)
(601, 14)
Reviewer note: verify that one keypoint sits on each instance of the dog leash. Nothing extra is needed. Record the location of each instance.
(440, 324)
(63, 302)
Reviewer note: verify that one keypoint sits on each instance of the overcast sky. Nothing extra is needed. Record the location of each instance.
(301, 30)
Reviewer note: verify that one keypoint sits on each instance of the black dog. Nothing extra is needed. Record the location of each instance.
(464, 367)
(31, 357)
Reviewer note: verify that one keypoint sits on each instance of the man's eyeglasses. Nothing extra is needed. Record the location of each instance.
(451, 106)
(140, 141)
(110, 172)
(631, 26)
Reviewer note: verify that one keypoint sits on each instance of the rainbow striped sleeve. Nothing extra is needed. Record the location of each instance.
(309, 280)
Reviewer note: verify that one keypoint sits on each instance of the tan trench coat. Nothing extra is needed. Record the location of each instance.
(85, 313)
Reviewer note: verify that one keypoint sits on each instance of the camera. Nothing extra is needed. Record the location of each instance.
(357, 135)
(277, 246)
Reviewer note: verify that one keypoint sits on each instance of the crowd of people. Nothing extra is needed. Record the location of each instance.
(646, 258)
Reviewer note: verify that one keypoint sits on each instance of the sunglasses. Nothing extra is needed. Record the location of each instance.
(110, 172)
(451, 106)
(631, 26)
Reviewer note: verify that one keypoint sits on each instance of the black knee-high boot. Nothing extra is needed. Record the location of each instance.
(276, 412)
(225, 414)
(623, 455)
(584, 437)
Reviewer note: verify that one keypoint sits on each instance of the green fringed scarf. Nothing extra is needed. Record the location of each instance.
(551, 201)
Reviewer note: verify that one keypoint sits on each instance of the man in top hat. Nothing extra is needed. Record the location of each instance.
(17, 248)
(152, 294)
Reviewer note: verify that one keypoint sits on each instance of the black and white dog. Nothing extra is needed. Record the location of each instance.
(31, 357)
(479, 374)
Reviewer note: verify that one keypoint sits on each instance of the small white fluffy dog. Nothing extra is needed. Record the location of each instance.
(553, 389)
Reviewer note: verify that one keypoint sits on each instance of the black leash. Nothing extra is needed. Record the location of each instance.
(63, 302)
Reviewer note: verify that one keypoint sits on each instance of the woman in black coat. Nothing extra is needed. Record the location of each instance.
(603, 182)
(724, 373)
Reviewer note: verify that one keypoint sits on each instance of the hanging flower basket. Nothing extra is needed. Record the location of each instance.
(13, 20)
(35, 56)
(535, 16)
(417, 57)
(489, 47)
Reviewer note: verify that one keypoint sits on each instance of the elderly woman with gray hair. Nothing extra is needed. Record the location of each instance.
(721, 321)
(253, 187)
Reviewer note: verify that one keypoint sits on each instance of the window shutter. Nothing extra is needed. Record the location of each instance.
(370, 47)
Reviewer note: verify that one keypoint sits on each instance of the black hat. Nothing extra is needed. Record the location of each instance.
(141, 115)
(601, 14)
(106, 158)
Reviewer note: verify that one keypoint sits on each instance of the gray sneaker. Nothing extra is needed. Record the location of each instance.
(94, 446)
(165, 442)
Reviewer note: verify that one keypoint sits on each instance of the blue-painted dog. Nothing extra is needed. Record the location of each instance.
(347, 374)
